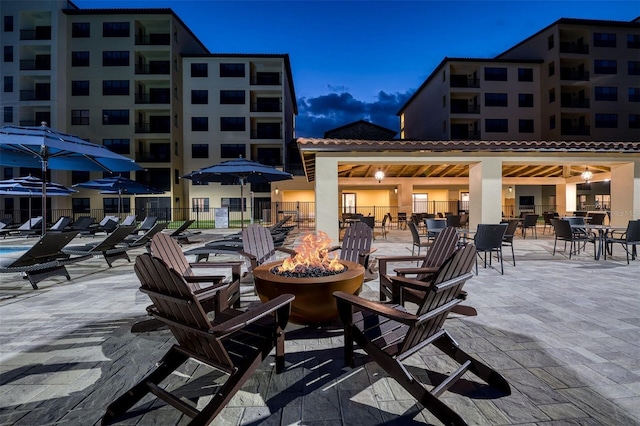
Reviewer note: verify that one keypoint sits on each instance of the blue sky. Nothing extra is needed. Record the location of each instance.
(355, 60)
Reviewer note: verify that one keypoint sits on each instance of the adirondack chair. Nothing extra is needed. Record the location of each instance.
(234, 342)
(356, 247)
(258, 246)
(390, 335)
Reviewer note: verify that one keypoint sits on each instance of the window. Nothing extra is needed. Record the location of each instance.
(552, 68)
(552, 96)
(80, 88)
(80, 30)
(525, 74)
(634, 94)
(115, 116)
(633, 41)
(199, 70)
(495, 74)
(232, 150)
(115, 58)
(112, 205)
(8, 54)
(115, 87)
(525, 126)
(231, 70)
(200, 204)
(495, 99)
(634, 121)
(606, 93)
(176, 177)
(81, 205)
(498, 125)
(7, 115)
(80, 116)
(525, 100)
(419, 202)
(633, 67)
(550, 42)
(200, 150)
(7, 173)
(8, 84)
(80, 59)
(8, 24)
(232, 97)
(200, 97)
(602, 201)
(119, 146)
(199, 124)
(606, 121)
(233, 204)
(115, 29)
(604, 66)
(232, 124)
(552, 122)
(604, 40)
(8, 204)
(79, 176)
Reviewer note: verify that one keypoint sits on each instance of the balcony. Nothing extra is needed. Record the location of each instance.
(575, 130)
(575, 75)
(161, 39)
(266, 79)
(40, 63)
(35, 95)
(569, 102)
(572, 47)
(157, 153)
(154, 67)
(266, 133)
(39, 33)
(266, 105)
(458, 80)
(464, 108)
(159, 127)
(162, 97)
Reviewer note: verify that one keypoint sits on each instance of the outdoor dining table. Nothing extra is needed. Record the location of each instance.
(602, 233)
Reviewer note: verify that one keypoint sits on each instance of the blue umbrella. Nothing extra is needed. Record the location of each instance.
(239, 172)
(119, 185)
(29, 186)
(41, 146)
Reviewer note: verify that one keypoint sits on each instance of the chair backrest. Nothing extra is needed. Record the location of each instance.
(83, 223)
(47, 248)
(562, 228)
(464, 219)
(439, 296)
(435, 224)
(146, 237)
(62, 223)
(597, 218)
(512, 226)
(129, 220)
(32, 223)
(489, 236)
(453, 220)
(530, 219)
(370, 221)
(579, 220)
(633, 231)
(167, 249)
(174, 302)
(357, 239)
(546, 216)
(442, 248)
(415, 235)
(113, 239)
(105, 221)
(148, 223)
(258, 241)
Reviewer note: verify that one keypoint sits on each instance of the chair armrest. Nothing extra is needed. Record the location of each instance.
(262, 310)
(235, 265)
(377, 307)
(384, 260)
(204, 278)
(211, 291)
(292, 252)
(401, 281)
(417, 271)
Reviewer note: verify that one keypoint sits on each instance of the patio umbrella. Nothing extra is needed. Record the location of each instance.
(119, 185)
(41, 146)
(239, 172)
(31, 185)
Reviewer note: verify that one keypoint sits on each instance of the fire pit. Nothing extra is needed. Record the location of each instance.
(312, 276)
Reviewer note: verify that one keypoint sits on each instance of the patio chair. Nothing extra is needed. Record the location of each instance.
(61, 224)
(234, 342)
(258, 246)
(546, 217)
(356, 247)
(30, 227)
(507, 239)
(453, 220)
(42, 260)
(133, 241)
(83, 223)
(464, 220)
(402, 220)
(110, 248)
(146, 224)
(629, 240)
(574, 235)
(433, 227)
(382, 225)
(390, 335)
(597, 218)
(129, 220)
(181, 234)
(488, 240)
(107, 225)
(416, 240)
(530, 221)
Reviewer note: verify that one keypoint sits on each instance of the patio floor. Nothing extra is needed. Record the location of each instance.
(564, 333)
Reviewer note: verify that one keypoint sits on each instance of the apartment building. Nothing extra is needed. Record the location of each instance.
(140, 82)
(573, 80)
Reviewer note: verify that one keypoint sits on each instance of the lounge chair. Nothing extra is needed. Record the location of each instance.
(181, 234)
(234, 342)
(42, 260)
(133, 241)
(146, 224)
(110, 248)
(30, 227)
(61, 225)
(129, 220)
(83, 223)
(108, 224)
(390, 335)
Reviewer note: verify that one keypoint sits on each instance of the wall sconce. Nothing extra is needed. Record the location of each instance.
(510, 189)
(277, 191)
(587, 175)
(395, 190)
(379, 175)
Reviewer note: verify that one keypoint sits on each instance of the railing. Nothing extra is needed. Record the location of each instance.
(40, 33)
(155, 128)
(266, 79)
(266, 134)
(465, 109)
(154, 40)
(464, 81)
(34, 95)
(575, 130)
(266, 106)
(32, 64)
(569, 74)
(567, 47)
(145, 98)
(575, 103)
(163, 67)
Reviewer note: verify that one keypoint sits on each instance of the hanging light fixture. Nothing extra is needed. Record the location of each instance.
(587, 175)
(510, 189)
(379, 175)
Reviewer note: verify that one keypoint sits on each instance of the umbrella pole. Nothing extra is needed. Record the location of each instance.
(44, 197)
(241, 204)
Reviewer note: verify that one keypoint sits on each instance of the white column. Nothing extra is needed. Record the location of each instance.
(485, 192)
(625, 193)
(327, 196)
(571, 197)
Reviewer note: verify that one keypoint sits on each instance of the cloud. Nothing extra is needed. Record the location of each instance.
(325, 112)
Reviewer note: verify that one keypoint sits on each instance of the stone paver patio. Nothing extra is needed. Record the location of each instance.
(564, 333)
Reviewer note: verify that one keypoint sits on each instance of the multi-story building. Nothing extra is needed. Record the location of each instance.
(140, 82)
(573, 80)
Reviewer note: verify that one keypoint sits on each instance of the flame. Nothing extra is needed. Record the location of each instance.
(313, 252)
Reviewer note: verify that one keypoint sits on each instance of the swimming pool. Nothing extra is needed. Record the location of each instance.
(11, 249)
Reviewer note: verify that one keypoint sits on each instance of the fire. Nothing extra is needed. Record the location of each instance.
(313, 253)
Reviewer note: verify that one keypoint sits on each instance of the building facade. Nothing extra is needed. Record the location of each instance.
(136, 80)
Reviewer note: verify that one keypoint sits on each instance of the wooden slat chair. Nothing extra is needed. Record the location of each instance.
(234, 342)
(258, 246)
(390, 335)
(356, 247)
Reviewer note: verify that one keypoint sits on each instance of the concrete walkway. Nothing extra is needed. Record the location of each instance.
(564, 333)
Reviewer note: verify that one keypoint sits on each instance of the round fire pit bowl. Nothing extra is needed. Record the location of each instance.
(314, 302)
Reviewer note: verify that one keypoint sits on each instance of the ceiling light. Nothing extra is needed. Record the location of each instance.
(379, 175)
(587, 175)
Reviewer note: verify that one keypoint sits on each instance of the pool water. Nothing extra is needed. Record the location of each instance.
(8, 249)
